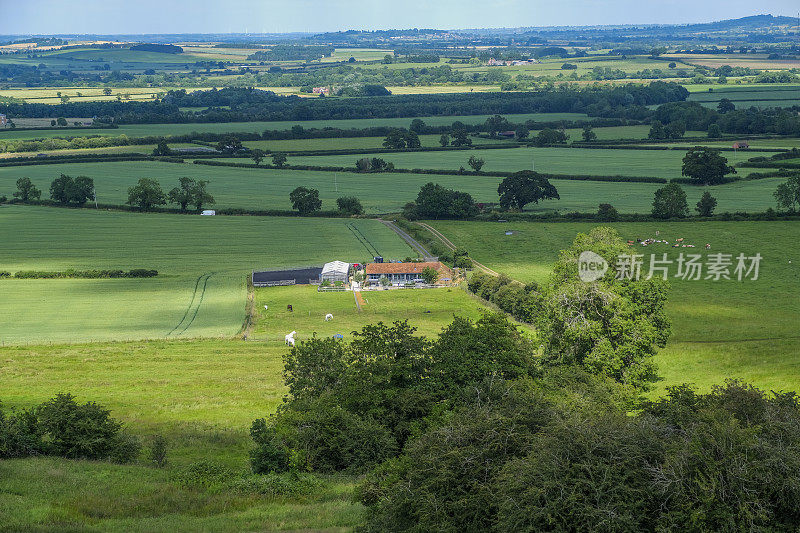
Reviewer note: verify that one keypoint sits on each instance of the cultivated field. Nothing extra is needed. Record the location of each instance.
(251, 188)
(142, 130)
(602, 162)
(203, 263)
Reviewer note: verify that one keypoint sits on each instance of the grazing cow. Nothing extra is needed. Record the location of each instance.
(289, 339)
(328, 317)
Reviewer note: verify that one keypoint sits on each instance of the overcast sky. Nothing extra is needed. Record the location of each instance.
(235, 16)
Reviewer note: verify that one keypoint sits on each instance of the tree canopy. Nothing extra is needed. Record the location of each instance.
(524, 187)
(670, 202)
(706, 166)
(305, 200)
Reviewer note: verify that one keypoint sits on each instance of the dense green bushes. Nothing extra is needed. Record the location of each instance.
(560, 454)
(64, 428)
(85, 274)
(436, 201)
(351, 406)
(518, 300)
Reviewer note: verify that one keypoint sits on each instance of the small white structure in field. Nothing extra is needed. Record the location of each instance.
(208, 213)
(290, 338)
(335, 271)
(328, 317)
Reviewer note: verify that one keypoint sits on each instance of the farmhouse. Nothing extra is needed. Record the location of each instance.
(321, 90)
(741, 145)
(407, 272)
(335, 271)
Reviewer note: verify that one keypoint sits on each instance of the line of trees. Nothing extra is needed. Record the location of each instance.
(248, 104)
(147, 193)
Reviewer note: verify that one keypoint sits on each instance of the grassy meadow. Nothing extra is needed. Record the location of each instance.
(203, 263)
(720, 328)
(202, 396)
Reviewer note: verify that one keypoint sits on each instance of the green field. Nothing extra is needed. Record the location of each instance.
(142, 130)
(344, 143)
(202, 395)
(426, 309)
(250, 188)
(721, 328)
(606, 162)
(203, 264)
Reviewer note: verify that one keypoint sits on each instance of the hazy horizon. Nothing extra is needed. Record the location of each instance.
(204, 16)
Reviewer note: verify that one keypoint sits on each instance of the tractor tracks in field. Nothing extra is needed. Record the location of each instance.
(193, 308)
(361, 238)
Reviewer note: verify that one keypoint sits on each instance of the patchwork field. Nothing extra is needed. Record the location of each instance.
(656, 163)
(203, 264)
(720, 328)
(250, 188)
(142, 130)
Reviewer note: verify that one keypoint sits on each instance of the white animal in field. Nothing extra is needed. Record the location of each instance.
(328, 317)
(290, 338)
(266, 307)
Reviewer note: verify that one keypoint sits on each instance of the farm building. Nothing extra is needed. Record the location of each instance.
(3, 120)
(335, 271)
(292, 276)
(741, 145)
(407, 272)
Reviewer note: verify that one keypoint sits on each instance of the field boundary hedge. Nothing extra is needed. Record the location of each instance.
(88, 158)
(228, 211)
(82, 274)
(739, 216)
(437, 172)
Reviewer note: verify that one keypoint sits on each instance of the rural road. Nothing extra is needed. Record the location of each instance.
(449, 244)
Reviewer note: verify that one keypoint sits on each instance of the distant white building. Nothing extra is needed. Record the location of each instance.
(335, 271)
(208, 212)
(3, 120)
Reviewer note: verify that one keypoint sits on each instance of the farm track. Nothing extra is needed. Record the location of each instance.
(416, 246)
(449, 244)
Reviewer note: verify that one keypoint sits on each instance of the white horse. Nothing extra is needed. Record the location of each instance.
(328, 317)
(290, 338)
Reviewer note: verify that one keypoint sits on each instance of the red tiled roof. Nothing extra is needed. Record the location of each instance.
(406, 268)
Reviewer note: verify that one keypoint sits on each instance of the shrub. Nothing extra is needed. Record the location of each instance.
(20, 435)
(270, 453)
(85, 431)
(333, 439)
(607, 213)
(350, 205)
